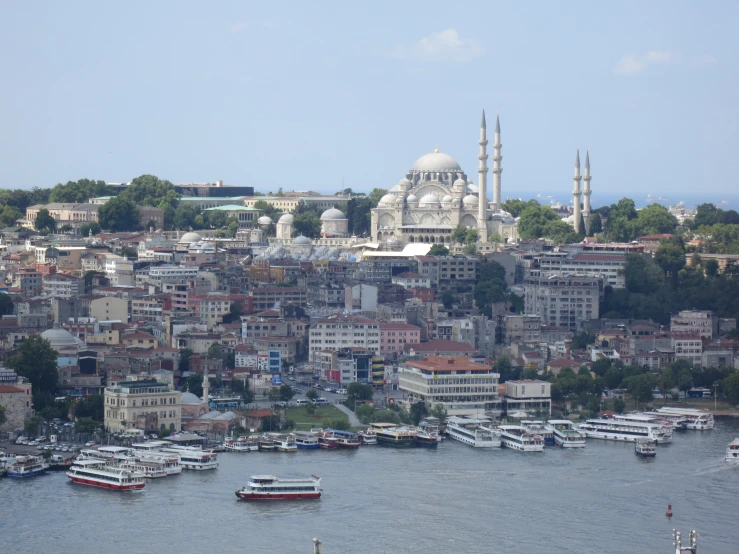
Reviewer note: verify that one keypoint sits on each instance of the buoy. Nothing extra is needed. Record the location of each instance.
(668, 513)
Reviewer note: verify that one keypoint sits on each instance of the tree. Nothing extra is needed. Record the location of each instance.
(582, 339)
(706, 215)
(666, 380)
(91, 407)
(44, 222)
(515, 206)
(375, 196)
(307, 224)
(447, 298)
(185, 355)
(438, 250)
(86, 425)
(286, 392)
(88, 226)
(418, 412)
(711, 267)
(312, 394)
(360, 391)
(730, 388)
(619, 405)
(214, 351)
(6, 304)
(37, 361)
(655, 219)
(496, 239)
(670, 256)
(459, 234)
(194, 384)
(3, 417)
(184, 216)
(685, 380)
(80, 191)
(439, 412)
(534, 220)
(119, 214)
(9, 216)
(30, 427)
(359, 215)
(273, 394)
(470, 249)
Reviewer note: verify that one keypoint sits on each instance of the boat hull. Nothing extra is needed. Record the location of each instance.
(409, 442)
(108, 486)
(254, 496)
(569, 444)
(424, 443)
(21, 474)
(646, 454)
(194, 466)
(310, 446)
(513, 445)
(611, 436)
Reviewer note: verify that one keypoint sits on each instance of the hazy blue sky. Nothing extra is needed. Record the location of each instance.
(303, 94)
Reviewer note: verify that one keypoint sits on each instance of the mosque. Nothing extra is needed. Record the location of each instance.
(436, 196)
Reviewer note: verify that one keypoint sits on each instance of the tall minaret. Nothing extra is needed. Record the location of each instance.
(586, 194)
(497, 170)
(206, 386)
(576, 192)
(482, 170)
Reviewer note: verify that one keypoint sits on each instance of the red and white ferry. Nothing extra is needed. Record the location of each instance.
(99, 473)
(269, 487)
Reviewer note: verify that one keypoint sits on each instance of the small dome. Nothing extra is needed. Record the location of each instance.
(436, 161)
(469, 200)
(333, 213)
(189, 398)
(446, 199)
(429, 200)
(189, 238)
(392, 241)
(403, 183)
(301, 241)
(387, 199)
(411, 198)
(59, 337)
(264, 220)
(286, 218)
(460, 184)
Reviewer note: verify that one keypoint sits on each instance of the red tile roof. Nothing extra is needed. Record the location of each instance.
(8, 388)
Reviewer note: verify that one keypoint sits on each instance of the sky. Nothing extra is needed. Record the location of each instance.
(327, 95)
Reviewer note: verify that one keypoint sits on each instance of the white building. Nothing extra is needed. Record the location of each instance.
(344, 331)
(147, 405)
(461, 386)
(531, 396)
(701, 322)
(63, 286)
(563, 300)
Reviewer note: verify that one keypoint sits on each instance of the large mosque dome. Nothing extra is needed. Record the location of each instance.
(436, 161)
(189, 398)
(189, 238)
(60, 338)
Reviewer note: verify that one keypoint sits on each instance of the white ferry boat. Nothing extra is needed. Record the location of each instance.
(667, 428)
(732, 452)
(565, 434)
(676, 422)
(242, 444)
(518, 438)
(170, 463)
(306, 440)
(536, 427)
(102, 474)
(269, 487)
(699, 420)
(645, 448)
(147, 468)
(619, 430)
(468, 431)
(105, 453)
(285, 443)
(27, 466)
(194, 458)
(368, 437)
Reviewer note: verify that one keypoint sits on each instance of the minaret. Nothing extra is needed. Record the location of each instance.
(586, 194)
(206, 386)
(497, 170)
(482, 170)
(576, 192)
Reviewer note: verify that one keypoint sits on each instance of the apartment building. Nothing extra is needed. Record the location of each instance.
(704, 323)
(444, 271)
(587, 263)
(530, 395)
(519, 328)
(344, 331)
(381, 270)
(688, 347)
(563, 300)
(61, 285)
(28, 280)
(394, 336)
(264, 298)
(409, 280)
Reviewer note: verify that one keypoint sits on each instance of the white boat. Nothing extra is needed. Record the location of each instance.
(304, 439)
(676, 422)
(105, 453)
(732, 452)
(368, 438)
(565, 434)
(536, 427)
(619, 430)
(699, 420)
(147, 468)
(645, 448)
(193, 458)
(27, 466)
(168, 462)
(242, 444)
(285, 443)
(269, 487)
(667, 427)
(518, 438)
(468, 431)
(103, 474)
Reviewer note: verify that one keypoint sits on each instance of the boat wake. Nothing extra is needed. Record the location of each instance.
(714, 468)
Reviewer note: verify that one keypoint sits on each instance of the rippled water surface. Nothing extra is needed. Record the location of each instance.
(602, 499)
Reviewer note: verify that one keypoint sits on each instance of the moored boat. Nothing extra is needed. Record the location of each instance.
(645, 448)
(469, 431)
(698, 420)
(565, 434)
(306, 440)
(390, 434)
(619, 430)
(285, 443)
(536, 427)
(368, 437)
(732, 452)
(27, 466)
(242, 444)
(518, 438)
(346, 439)
(266, 443)
(105, 475)
(427, 439)
(194, 458)
(327, 441)
(269, 487)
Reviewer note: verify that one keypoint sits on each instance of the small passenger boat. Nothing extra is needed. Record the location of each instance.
(306, 441)
(645, 448)
(27, 466)
(269, 487)
(732, 452)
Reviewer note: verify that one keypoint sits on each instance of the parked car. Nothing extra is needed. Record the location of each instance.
(90, 443)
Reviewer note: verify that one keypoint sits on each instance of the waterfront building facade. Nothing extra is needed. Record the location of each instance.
(530, 395)
(148, 405)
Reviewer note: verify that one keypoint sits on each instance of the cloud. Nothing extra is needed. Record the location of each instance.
(444, 47)
(633, 64)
